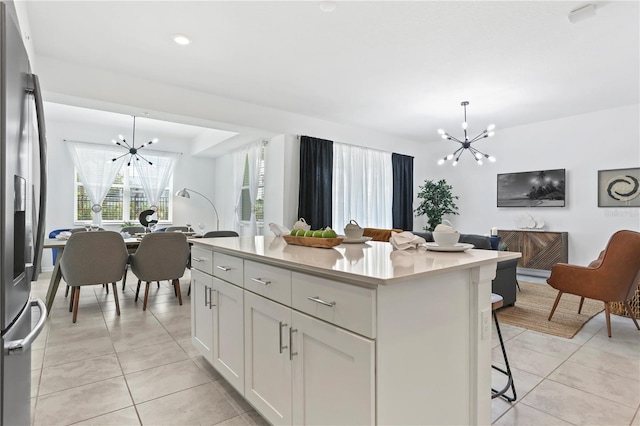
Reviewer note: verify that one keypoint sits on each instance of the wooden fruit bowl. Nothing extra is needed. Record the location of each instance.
(312, 241)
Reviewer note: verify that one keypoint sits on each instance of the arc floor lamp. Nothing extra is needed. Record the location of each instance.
(184, 192)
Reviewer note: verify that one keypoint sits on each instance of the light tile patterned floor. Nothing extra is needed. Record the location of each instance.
(140, 368)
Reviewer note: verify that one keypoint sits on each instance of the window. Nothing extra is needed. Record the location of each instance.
(124, 201)
(244, 209)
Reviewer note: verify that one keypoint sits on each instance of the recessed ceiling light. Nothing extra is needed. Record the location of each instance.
(327, 6)
(181, 39)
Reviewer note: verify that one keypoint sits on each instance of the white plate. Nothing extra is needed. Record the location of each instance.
(457, 247)
(356, 240)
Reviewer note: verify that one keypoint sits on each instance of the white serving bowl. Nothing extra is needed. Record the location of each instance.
(445, 238)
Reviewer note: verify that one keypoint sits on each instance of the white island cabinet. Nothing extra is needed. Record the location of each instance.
(357, 334)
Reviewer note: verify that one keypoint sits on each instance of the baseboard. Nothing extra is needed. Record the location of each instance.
(541, 273)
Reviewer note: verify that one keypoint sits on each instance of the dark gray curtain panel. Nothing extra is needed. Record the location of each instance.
(316, 179)
(402, 191)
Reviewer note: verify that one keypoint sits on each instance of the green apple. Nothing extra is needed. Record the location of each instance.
(329, 233)
(300, 233)
(317, 234)
(308, 233)
(294, 232)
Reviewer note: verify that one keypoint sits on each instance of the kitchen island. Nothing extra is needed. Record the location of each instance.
(356, 334)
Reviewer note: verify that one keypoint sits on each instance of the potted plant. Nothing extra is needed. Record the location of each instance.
(437, 200)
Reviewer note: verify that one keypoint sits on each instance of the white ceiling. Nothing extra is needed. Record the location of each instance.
(399, 68)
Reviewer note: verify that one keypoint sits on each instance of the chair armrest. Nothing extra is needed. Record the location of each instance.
(579, 280)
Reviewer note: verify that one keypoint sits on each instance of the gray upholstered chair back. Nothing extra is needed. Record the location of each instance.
(133, 229)
(160, 256)
(93, 258)
(176, 228)
(214, 234)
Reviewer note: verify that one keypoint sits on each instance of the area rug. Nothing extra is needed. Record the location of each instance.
(534, 304)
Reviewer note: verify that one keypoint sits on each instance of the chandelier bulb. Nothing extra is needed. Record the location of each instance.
(492, 159)
(449, 157)
(491, 134)
(479, 162)
(121, 137)
(155, 140)
(455, 163)
(478, 155)
(464, 125)
(441, 161)
(490, 127)
(444, 136)
(441, 132)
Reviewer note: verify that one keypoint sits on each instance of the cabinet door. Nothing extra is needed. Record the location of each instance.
(202, 313)
(228, 335)
(267, 358)
(333, 374)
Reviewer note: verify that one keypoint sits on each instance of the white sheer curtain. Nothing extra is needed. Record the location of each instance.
(155, 177)
(239, 159)
(362, 187)
(97, 171)
(253, 156)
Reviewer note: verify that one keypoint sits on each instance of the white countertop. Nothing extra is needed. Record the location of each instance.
(369, 264)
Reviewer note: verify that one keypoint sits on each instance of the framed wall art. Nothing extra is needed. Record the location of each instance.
(540, 188)
(619, 187)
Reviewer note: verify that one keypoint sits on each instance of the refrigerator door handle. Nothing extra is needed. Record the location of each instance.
(18, 346)
(42, 141)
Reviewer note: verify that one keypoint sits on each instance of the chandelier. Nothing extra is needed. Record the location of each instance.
(466, 143)
(132, 151)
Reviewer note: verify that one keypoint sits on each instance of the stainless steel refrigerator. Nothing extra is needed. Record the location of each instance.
(22, 210)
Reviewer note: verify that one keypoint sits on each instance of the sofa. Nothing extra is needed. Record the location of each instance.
(505, 282)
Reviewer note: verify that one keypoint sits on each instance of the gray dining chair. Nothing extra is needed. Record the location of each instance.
(160, 256)
(132, 230)
(91, 258)
(177, 228)
(215, 234)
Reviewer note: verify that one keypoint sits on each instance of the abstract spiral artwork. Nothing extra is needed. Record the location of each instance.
(619, 188)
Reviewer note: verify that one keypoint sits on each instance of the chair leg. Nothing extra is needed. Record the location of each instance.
(608, 317)
(66, 291)
(73, 292)
(176, 287)
(75, 303)
(124, 277)
(137, 291)
(175, 290)
(106, 286)
(580, 306)
(189, 291)
(146, 296)
(158, 284)
(631, 314)
(518, 285)
(115, 296)
(555, 305)
(502, 392)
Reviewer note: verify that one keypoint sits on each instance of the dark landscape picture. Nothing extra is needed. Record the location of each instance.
(543, 188)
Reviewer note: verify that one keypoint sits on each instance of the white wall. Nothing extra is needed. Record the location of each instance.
(581, 144)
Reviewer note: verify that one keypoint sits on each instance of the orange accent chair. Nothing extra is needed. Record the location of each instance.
(379, 234)
(613, 277)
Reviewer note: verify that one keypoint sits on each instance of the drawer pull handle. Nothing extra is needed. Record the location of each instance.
(260, 281)
(223, 268)
(206, 292)
(197, 259)
(291, 352)
(322, 302)
(211, 290)
(280, 332)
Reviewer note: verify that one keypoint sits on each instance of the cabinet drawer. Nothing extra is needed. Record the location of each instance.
(348, 306)
(228, 268)
(202, 260)
(268, 281)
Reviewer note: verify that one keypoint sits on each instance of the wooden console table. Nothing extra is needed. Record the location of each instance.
(540, 249)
